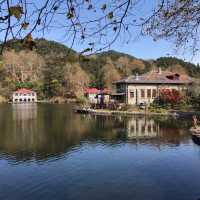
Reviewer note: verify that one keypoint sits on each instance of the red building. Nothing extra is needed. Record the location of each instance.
(91, 94)
(97, 96)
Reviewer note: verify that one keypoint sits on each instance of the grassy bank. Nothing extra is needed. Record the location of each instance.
(3, 99)
(135, 110)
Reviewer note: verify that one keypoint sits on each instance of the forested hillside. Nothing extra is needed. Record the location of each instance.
(54, 70)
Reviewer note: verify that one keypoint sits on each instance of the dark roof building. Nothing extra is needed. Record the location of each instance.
(145, 88)
(158, 77)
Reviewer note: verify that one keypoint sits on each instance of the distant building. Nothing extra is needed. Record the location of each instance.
(146, 88)
(97, 96)
(103, 96)
(24, 95)
(91, 94)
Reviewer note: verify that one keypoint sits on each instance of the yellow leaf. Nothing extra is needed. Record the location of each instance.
(70, 15)
(90, 7)
(25, 25)
(29, 38)
(103, 7)
(16, 11)
(86, 50)
(110, 15)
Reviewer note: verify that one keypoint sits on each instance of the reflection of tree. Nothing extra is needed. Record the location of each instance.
(51, 130)
(108, 128)
(166, 122)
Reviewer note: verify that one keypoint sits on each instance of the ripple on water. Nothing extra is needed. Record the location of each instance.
(47, 152)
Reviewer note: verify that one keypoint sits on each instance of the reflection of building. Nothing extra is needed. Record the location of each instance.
(24, 95)
(24, 112)
(145, 88)
(141, 128)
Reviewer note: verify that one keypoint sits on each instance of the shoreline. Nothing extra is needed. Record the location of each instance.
(124, 113)
(103, 112)
(43, 102)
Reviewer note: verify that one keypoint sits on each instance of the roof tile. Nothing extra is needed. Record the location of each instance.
(156, 77)
(24, 91)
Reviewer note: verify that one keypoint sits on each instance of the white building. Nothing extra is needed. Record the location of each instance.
(24, 96)
(146, 88)
(96, 96)
(91, 94)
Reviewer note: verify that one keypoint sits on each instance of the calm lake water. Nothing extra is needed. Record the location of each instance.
(48, 152)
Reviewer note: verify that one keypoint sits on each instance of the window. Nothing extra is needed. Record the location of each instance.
(149, 93)
(132, 94)
(143, 129)
(142, 93)
(132, 128)
(149, 128)
(33, 94)
(154, 93)
(120, 88)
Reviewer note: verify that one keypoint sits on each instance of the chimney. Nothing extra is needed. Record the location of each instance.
(159, 70)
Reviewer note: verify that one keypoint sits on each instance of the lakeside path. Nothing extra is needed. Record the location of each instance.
(129, 113)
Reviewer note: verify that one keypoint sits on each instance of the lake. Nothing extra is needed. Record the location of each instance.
(48, 152)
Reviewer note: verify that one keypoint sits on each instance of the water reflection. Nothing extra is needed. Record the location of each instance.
(44, 131)
(196, 140)
(142, 128)
(48, 152)
(24, 112)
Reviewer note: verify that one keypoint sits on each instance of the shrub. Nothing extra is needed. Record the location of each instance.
(2, 99)
(157, 110)
(170, 96)
(126, 107)
(83, 101)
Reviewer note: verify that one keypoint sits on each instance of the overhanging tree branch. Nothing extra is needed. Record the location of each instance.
(99, 24)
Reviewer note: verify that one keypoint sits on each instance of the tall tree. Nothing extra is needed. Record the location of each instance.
(109, 74)
(23, 66)
(76, 79)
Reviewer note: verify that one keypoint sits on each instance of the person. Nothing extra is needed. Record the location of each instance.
(194, 121)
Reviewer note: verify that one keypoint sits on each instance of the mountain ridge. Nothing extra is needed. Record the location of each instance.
(57, 69)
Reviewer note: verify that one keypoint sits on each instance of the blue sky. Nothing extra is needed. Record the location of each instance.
(144, 47)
